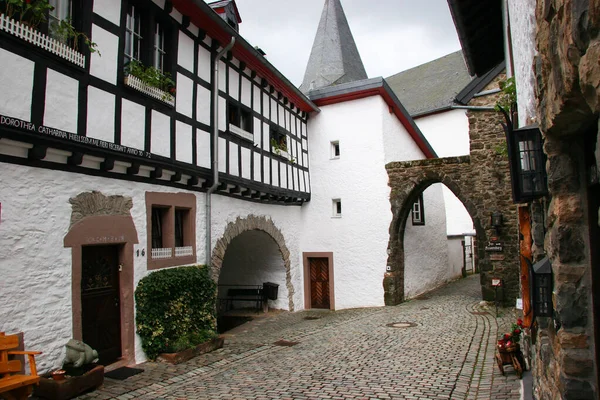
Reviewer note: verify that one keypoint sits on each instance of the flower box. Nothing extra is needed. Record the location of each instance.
(71, 386)
(156, 93)
(185, 355)
(41, 40)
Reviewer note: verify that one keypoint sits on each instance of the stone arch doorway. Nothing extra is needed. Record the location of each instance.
(101, 237)
(434, 236)
(471, 185)
(252, 250)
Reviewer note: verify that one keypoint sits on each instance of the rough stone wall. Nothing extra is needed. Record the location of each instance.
(482, 182)
(568, 104)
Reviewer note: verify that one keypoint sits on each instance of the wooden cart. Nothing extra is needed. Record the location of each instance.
(510, 355)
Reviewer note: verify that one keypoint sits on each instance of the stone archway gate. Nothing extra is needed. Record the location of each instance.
(482, 182)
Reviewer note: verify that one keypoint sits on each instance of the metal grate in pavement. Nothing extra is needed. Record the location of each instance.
(401, 325)
(285, 343)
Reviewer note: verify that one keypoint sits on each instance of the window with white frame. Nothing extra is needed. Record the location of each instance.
(240, 120)
(337, 208)
(160, 53)
(418, 212)
(133, 35)
(335, 150)
(62, 10)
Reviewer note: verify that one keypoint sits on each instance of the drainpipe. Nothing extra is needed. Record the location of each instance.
(215, 160)
(473, 108)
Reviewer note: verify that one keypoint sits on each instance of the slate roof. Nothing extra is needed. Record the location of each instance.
(432, 86)
(334, 58)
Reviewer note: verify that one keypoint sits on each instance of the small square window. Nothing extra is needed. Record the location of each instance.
(278, 141)
(337, 208)
(240, 117)
(335, 150)
(418, 213)
(171, 229)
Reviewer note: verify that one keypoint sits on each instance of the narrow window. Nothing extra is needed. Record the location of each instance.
(180, 222)
(62, 11)
(418, 215)
(133, 35)
(335, 149)
(160, 54)
(337, 208)
(278, 141)
(158, 216)
(240, 117)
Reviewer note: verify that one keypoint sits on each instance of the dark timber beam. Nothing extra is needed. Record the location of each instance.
(75, 159)
(107, 165)
(185, 22)
(157, 173)
(176, 177)
(222, 186)
(37, 152)
(134, 169)
(234, 190)
(193, 181)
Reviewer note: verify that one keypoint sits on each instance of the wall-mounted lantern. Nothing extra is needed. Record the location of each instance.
(527, 163)
(496, 221)
(542, 288)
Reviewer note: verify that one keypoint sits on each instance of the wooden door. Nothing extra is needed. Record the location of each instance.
(526, 258)
(319, 283)
(101, 312)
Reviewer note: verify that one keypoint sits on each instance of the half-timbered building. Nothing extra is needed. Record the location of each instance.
(145, 134)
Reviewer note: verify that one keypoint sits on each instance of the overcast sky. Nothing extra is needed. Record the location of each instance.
(391, 35)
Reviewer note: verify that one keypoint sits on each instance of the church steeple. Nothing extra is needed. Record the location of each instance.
(334, 58)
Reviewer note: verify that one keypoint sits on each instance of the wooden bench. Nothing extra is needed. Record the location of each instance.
(253, 294)
(13, 384)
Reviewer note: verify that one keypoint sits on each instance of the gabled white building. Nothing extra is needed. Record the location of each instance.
(104, 178)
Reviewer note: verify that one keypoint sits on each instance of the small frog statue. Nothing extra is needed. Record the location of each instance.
(79, 353)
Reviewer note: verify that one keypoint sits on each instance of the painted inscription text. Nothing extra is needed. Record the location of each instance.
(73, 137)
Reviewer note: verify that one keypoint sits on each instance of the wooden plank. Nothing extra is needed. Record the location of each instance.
(9, 342)
(17, 381)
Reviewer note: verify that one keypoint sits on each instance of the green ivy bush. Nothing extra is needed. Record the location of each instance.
(175, 309)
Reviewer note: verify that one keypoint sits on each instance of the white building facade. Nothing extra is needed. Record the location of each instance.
(105, 178)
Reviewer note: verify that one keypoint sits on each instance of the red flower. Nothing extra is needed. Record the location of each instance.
(517, 331)
(520, 322)
(506, 336)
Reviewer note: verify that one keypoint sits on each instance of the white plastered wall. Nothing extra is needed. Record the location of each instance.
(35, 218)
(369, 137)
(522, 30)
(448, 134)
(426, 261)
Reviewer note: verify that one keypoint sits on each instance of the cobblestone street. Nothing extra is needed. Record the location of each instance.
(349, 354)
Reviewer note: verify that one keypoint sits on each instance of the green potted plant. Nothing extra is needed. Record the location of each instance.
(150, 80)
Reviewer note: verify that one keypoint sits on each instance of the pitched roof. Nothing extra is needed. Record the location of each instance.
(431, 86)
(334, 58)
(373, 87)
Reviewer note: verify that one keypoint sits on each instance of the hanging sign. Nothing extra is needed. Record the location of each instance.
(496, 282)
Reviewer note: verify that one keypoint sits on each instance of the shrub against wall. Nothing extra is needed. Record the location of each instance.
(175, 308)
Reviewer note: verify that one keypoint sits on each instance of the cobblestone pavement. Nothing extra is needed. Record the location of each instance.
(348, 354)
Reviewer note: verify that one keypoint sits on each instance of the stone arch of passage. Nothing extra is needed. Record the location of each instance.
(250, 223)
(407, 181)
